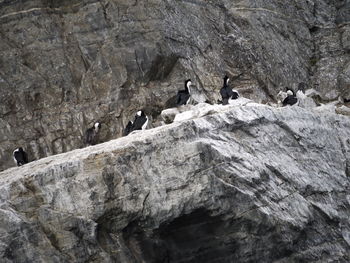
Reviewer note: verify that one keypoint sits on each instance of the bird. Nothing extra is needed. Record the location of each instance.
(129, 128)
(92, 134)
(304, 101)
(183, 96)
(301, 91)
(227, 93)
(301, 88)
(197, 95)
(291, 99)
(281, 96)
(20, 156)
(141, 121)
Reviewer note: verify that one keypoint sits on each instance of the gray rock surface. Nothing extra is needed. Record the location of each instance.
(247, 183)
(66, 64)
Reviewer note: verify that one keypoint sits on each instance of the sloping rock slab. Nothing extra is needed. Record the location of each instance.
(249, 184)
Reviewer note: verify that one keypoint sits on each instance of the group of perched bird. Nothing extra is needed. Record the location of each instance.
(289, 97)
(91, 136)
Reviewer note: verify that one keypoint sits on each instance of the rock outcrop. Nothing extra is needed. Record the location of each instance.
(66, 64)
(242, 184)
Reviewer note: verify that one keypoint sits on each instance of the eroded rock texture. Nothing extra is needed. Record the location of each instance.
(243, 184)
(65, 64)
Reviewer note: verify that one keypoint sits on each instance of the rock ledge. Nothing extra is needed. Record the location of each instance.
(243, 184)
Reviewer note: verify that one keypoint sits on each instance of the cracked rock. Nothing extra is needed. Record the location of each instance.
(240, 183)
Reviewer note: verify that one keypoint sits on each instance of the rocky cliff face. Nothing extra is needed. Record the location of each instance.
(65, 64)
(245, 183)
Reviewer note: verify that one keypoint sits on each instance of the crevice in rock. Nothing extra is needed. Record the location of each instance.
(111, 240)
(52, 8)
(344, 151)
(189, 238)
(53, 240)
(85, 60)
(277, 173)
(314, 29)
(161, 67)
(201, 237)
(144, 202)
(105, 13)
(329, 220)
(282, 16)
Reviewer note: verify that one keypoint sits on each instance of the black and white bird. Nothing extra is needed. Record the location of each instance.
(301, 93)
(20, 156)
(305, 101)
(301, 88)
(291, 99)
(183, 96)
(91, 136)
(141, 121)
(129, 128)
(227, 93)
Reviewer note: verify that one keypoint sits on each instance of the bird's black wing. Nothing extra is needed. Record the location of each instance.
(17, 157)
(94, 137)
(139, 121)
(179, 98)
(129, 128)
(293, 100)
(185, 98)
(25, 157)
(290, 100)
(182, 97)
(224, 95)
(88, 136)
(234, 95)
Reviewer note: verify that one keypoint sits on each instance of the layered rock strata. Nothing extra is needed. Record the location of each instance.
(246, 183)
(66, 64)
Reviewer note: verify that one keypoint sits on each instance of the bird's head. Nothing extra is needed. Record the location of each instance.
(97, 126)
(188, 83)
(140, 113)
(302, 87)
(226, 80)
(289, 91)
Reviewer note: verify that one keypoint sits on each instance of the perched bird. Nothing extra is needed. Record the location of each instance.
(141, 121)
(20, 156)
(129, 128)
(183, 96)
(197, 95)
(304, 101)
(291, 99)
(227, 93)
(301, 88)
(281, 96)
(301, 92)
(235, 94)
(92, 134)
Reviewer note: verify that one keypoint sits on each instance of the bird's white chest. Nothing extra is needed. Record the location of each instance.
(144, 126)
